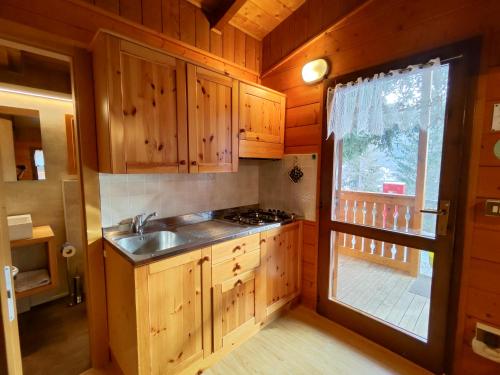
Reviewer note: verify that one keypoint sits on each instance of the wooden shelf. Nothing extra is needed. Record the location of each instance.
(41, 234)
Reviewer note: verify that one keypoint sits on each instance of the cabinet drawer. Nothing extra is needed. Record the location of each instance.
(235, 266)
(231, 249)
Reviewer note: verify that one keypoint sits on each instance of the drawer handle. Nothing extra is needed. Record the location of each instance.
(204, 259)
(236, 249)
(239, 282)
(263, 240)
(236, 267)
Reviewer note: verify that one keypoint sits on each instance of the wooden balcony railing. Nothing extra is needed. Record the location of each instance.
(381, 210)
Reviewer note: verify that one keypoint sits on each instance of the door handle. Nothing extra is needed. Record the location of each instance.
(443, 213)
(7, 272)
(434, 212)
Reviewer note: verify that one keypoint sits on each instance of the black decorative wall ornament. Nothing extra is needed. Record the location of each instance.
(295, 173)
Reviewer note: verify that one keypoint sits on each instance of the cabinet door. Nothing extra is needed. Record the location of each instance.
(262, 121)
(234, 310)
(282, 258)
(213, 121)
(170, 313)
(154, 110)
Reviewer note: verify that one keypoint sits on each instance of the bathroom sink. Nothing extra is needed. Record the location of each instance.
(151, 243)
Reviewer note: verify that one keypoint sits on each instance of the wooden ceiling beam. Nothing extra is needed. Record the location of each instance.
(219, 17)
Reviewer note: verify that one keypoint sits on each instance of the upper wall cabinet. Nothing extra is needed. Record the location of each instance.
(262, 122)
(213, 121)
(141, 108)
(160, 114)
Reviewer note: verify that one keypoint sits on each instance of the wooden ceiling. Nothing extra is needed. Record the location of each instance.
(259, 17)
(256, 18)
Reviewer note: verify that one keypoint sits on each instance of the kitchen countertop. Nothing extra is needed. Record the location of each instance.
(202, 229)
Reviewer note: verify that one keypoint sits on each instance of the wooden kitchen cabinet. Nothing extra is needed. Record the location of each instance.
(183, 313)
(262, 122)
(235, 280)
(141, 108)
(212, 121)
(281, 254)
(159, 314)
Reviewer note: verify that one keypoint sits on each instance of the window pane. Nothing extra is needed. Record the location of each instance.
(385, 179)
(389, 282)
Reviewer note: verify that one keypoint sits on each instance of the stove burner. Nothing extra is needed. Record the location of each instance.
(260, 217)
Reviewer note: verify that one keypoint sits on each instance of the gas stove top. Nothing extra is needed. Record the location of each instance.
(260, 217)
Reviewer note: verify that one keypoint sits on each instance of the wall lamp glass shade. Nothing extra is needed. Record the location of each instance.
(314, 71)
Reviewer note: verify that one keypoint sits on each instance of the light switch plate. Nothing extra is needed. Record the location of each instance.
(492, 208)
(495, 126)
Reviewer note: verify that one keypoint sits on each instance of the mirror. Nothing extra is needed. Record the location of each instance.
(21, 146)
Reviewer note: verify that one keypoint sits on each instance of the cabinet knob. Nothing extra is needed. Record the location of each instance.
(239, 282)
(236, 267)
(182, 162)
(236, 249)
(194, 162)
(242, 130)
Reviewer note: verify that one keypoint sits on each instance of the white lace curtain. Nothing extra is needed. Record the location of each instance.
(402, 98)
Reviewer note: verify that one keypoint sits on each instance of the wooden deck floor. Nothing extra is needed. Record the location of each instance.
(382, 292)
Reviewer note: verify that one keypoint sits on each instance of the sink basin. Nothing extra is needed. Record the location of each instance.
(150, 243)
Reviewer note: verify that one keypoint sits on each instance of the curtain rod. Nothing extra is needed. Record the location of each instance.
(403, 70)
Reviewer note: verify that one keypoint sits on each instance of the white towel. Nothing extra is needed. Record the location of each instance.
(31, 279)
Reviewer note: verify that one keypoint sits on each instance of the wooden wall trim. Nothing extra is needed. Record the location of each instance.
(76, 23)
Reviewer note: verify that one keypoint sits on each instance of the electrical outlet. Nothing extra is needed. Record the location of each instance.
(492, 208)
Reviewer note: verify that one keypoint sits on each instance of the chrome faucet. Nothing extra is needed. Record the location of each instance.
(139, 222)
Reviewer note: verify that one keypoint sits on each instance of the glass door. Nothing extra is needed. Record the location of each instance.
(389, 201)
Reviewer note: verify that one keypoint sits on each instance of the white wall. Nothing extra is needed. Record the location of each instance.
(123, 196)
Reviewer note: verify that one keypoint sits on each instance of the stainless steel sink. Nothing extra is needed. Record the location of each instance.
(210, 229)
(151, 243)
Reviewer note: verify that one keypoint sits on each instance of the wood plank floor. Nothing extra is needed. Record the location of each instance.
(302, 342)
(382, 292)
(54, 339)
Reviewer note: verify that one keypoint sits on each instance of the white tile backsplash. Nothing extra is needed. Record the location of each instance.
(276, 189)
(123, 196)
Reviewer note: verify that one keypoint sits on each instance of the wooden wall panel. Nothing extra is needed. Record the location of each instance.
(239, 47)
(228, 42)
(306, 22)
(171, 18)
(303, 135)
(143, 20)
(151, 14)
(370, 37)
(109, 5)
(187, 22)
(131, 9)
(303, 115)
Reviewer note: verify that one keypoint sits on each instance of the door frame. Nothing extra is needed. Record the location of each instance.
(433, 355)
(80, 60)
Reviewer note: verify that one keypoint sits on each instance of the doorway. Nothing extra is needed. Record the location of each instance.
(392, 171)
(43, 201)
